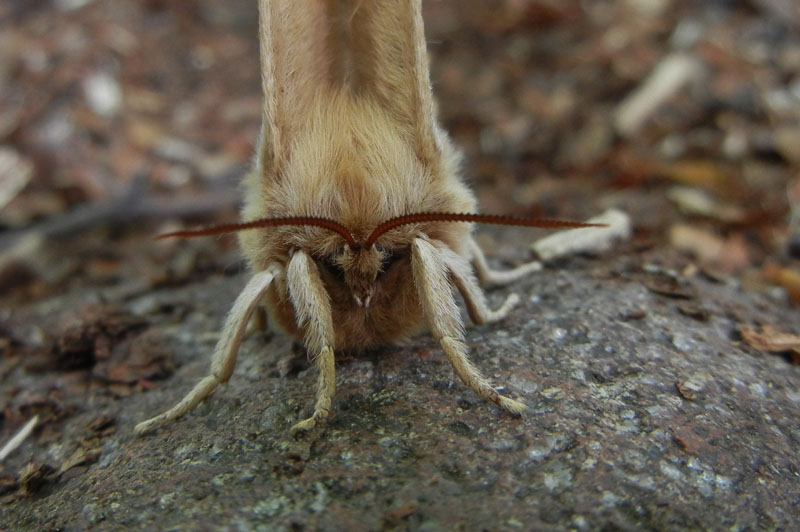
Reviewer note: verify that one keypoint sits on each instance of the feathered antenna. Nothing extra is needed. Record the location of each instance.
(271, 222)
(474, 218)
(388, 225)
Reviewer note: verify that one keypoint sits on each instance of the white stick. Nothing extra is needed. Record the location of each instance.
(673, 73)
(585, 239)
(18, 438)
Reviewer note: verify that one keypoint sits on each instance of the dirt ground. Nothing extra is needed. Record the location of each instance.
(661, 376)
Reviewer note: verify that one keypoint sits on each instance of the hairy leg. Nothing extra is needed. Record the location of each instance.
(488, 275)
(467, 285)
(258, 322)
(313, 310)
(224, 358)
(436, 297)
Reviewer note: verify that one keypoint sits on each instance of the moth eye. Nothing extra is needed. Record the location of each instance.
(389, 259)
(332, 268)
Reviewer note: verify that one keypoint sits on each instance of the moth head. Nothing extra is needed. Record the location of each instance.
(359, 270)
(360, 264)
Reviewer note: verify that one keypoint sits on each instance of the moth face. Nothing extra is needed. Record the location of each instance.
(358, 275)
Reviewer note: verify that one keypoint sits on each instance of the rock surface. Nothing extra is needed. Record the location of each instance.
(640, 418)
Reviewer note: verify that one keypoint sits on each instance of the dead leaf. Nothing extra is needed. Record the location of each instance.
(788, 278)
(771, 339)
(400, 513)
(694, 201)
(726, 255)
(102, 426)
(702, 173)
(8, 483)
(81, 456)
(144, 357)
(693, 310)
(94, 335)
(33, 477)
(667, 285)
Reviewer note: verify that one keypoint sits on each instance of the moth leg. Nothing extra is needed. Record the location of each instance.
(224, 358)
(465, 281)
(313, 310)
(436, 296)
(326, 386)
(258, 323)
(497, 277)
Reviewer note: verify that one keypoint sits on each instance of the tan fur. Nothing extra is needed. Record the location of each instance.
(462, 276)
(362, 146)
(350, 134)
(430, 273)
(313, 310)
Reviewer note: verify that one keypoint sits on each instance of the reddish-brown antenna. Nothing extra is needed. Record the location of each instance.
(388, 225)
(475, 218)
(270, 222)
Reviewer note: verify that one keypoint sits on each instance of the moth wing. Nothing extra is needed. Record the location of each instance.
(293, 37)
(391, 64)
(372, 48)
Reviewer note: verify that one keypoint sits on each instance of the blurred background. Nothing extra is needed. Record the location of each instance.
(120, 119)
(123, 119)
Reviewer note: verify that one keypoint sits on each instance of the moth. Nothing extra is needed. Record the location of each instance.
(361, 224)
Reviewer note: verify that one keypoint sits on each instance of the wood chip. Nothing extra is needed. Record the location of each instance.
(586, 239)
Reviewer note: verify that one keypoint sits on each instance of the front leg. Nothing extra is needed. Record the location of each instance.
(439, 306)
(313, 311)
(224, 358)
